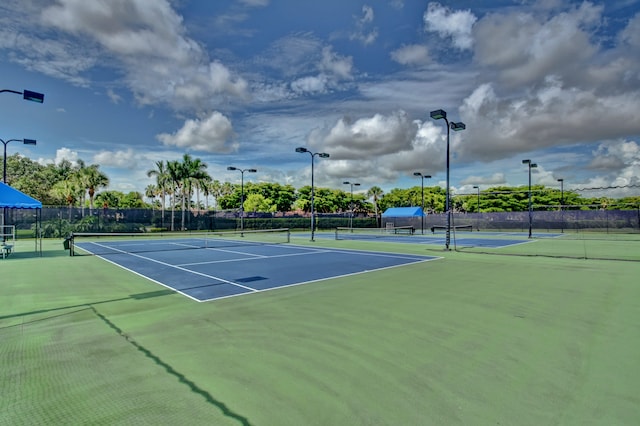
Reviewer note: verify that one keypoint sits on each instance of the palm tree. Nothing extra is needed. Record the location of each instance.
(151, 191)
(163, 182)
(68, 190)
(93, 178)
(191, 170)
(174, 172)
(375, 192)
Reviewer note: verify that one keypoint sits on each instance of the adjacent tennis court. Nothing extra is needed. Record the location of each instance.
(463, 238)
(232, 263)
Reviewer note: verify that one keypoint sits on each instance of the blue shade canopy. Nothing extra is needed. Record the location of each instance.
(13, 199)
(403, 212)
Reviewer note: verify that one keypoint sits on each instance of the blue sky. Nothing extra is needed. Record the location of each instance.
(243, 83)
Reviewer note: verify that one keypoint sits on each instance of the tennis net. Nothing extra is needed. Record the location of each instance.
(346, 233)
(89, 243)
(456, 228)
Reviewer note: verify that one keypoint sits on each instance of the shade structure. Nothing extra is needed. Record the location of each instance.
(11, 198)
(403, 212)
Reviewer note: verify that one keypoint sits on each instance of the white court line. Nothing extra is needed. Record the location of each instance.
(174, 266)
(254, 258)
(308, 250)
(321, 279)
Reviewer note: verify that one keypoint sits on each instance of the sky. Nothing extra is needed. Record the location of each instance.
(243, 83)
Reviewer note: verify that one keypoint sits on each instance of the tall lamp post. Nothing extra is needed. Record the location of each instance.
(561, 180)
(27, 95)
(455, 126)
(242, 192)
(351, 203)
(478, 223)
(422, 177)
(531, 166)
(313, 154)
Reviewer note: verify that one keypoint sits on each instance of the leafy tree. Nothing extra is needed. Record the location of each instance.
(258, 203)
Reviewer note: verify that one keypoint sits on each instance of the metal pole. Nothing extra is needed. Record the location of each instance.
(422, 217)
(530, 213)
(241, 200)
(312, 196)
(448, 200)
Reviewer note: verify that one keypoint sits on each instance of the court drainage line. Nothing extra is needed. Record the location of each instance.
(169, 369)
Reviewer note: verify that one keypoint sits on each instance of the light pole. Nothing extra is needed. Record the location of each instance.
(313, 154)
(561, 180)
(351, 203)
(242, 192)
(531, 166)
(27, 95)
(455, 126)
(478, 222)
(422, 177)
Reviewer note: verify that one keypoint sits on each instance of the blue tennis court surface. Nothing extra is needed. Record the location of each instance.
(226, 271)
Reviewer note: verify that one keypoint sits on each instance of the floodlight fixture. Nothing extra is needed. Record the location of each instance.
(530, 165)
(313, 154)
(351, 206)
(455, 126)
(242, 171)
(438, 114)
(27, 95)
(422, 178)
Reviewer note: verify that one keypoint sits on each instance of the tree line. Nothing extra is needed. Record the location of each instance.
(184, 184)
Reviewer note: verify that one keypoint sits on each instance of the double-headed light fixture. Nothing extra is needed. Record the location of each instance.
(531, 166)
(313, 155)
(440, 114)
(242, 192)
(422, 177)
(351, 205)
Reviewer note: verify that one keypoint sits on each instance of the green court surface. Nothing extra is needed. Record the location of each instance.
(472, 339)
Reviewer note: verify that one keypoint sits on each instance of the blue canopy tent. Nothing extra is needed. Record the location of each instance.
(404, 216)
(403, 212)
(11, 198)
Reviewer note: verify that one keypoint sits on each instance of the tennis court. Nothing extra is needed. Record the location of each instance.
(471, 339)
(232, 264)
(464, 238)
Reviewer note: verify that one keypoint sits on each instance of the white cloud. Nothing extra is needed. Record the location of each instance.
(339, 66)
(315, 84)
(333, 68)
(524, 48)
(449, 24)
(66, 154)
(147, 41)
(366, 137)
(549, 116)
(497, 178)
(211, 134)
(413, 54)
(362, 32)
(115, 98)
(121, 159)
